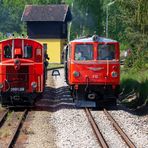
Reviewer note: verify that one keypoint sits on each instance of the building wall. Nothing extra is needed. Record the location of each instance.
(54, 49)
(47, 30)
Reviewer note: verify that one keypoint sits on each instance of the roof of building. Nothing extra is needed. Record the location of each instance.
(58, 13)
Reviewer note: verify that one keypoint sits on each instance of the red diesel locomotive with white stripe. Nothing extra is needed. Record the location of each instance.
(92, 70)
(22, 71)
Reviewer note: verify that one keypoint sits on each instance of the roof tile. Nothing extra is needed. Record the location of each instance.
(46, 13)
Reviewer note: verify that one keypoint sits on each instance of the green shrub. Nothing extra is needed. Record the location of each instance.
(138, 60)
(134, 85)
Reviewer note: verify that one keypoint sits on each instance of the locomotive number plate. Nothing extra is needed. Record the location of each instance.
(95, 76)
(17, 89)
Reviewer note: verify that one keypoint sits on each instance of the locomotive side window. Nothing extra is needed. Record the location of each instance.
(28, 52)
(7, 51)
(38, 55)
(106, 52)
(84, 52)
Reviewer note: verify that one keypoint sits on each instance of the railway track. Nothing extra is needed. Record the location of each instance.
(12, 125)
(98, 133)
(96, 129)
(119, 130)
(3, 117)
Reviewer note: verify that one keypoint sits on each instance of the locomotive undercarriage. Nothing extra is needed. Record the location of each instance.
(95, 95)
(18, 99)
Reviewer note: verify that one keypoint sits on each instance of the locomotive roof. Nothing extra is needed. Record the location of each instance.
(19, 39)
(90, 39)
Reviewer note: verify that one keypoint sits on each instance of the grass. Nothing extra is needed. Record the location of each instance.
(134, 84)
(55, 66)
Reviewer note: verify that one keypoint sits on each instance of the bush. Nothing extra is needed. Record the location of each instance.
(134, 85)
(138, 60)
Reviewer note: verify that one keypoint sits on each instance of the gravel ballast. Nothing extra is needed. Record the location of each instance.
(61, 125)
(112, 137)
(135, 126)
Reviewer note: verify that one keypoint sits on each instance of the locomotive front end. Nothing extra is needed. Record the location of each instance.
(21, 71)
(93, 69)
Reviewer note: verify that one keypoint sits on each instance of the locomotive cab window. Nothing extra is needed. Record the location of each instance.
(106, 52)
(84, 52)
(38, 55)
(7, 51)
(28, 52)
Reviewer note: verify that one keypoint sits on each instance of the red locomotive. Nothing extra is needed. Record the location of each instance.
(92, 70)
(22, 71)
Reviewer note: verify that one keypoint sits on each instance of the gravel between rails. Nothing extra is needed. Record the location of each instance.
(8, 128)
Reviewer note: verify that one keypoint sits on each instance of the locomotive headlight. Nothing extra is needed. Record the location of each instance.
(34, 85)
(114, 74)
(1, 85)
(76, 74)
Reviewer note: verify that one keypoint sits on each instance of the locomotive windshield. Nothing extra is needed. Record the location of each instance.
(28, 52)
(7, 51)
(84, 52)
(106, 52)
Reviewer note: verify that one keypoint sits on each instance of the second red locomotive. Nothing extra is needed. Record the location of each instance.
(92, 70)
(22, 71)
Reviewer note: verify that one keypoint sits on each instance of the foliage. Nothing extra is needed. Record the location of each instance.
(11, 13)
(134, 85)
(54, 66)
(137, 60)
(135, 24)
(86, 17)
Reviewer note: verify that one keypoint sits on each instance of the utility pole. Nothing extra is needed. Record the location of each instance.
(107, 6)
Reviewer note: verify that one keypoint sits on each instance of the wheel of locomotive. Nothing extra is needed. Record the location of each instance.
(4, 102)
(113, 102)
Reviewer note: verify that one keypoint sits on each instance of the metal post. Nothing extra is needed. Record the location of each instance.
(107, 21)
(107, 6)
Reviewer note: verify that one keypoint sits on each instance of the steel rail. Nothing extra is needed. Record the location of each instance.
(96, 130)
(119, 130)
(3, 117)
(18, 127)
